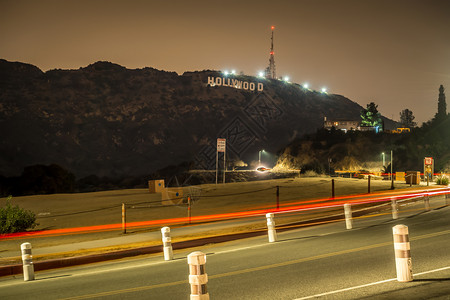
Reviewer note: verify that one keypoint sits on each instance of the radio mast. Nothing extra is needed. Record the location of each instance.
(270, 71)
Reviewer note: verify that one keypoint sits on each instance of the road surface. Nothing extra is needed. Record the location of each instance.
(326, 261)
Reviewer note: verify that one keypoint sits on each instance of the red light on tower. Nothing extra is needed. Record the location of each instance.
(273, 27)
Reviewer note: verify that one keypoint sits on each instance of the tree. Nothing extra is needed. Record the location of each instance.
(442, 105)
(370, 117)
(407, 118)
(441, 115)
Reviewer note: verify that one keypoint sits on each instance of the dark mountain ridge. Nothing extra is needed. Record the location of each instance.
(108, 120)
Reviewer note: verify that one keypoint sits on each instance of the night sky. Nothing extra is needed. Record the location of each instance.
(394, 53)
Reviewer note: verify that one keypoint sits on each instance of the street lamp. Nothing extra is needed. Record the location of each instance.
(392, 174)
(259, 156)
(383, 159)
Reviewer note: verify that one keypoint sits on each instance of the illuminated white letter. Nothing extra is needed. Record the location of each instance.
(245, 85)
(238, 84)
(252, 86)
(218, 81)
(260, 87)
(211, 81)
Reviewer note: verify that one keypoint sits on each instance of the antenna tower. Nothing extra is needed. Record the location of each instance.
(270, 71)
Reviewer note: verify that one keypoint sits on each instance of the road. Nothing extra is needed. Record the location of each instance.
(327, 261)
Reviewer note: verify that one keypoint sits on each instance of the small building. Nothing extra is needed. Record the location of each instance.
(341, 124)
(402, 130)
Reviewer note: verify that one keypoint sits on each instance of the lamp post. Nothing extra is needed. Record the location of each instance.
(392, 175)
(259, 156)
(384, 161)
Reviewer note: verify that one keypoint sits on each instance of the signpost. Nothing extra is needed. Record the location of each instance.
(221, 147)
(428, 169)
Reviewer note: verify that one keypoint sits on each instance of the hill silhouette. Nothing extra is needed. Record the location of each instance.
(107, 120)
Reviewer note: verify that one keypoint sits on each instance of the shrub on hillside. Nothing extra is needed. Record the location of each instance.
(442, 180)
(15, 219)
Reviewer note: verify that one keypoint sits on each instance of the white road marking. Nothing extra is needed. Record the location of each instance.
(368, 284)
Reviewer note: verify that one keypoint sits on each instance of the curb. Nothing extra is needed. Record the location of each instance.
(87, 259)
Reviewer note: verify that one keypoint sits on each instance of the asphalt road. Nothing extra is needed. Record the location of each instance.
(326, 261)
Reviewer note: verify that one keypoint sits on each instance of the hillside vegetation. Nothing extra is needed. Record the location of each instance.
(359, 151)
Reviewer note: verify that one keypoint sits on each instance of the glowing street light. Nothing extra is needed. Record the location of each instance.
(306, 85)
(261, 74)
(225, 73)
(286, 78)
(233, 72)
(259, 156)
(324, 90)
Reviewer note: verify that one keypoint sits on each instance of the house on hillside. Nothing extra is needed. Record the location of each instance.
(341, 124)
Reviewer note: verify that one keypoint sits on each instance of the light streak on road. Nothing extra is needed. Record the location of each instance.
(304, 205)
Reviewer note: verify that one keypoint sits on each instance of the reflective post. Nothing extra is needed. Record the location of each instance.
(27, 259)
(167, 243)
(197, 276)
(394, 209)
(271, 228)
(348, 216)
(426, 201)
(402, 253)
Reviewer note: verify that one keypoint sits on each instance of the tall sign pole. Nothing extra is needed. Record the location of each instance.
(224, 161)
(428, 169)
(221, 147)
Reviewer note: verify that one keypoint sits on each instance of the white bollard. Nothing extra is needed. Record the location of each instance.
(167, 243)
(426, 200)
(27, 259)
(348, 216)
(271, 228)
(394, 209)
(402, 253)
(197, 276)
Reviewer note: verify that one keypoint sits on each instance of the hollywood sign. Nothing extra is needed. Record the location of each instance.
(234, 83)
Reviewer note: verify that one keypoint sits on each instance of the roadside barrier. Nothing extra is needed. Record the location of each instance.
(278, 197)
(197, 276)
(332, 188)
(447, 199)
(394, 206)
(167, 243)
(27, 260)
(348, 216)
(402, 253)
(124, 219)
(271, 231)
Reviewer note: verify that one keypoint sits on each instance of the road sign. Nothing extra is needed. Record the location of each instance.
(428, 161)
(221, 145)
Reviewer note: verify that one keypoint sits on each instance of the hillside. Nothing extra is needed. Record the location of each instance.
(107, 120)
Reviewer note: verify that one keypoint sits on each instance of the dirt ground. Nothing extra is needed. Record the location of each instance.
(98, 208)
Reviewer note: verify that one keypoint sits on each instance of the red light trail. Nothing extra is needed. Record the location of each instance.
(304, 205)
